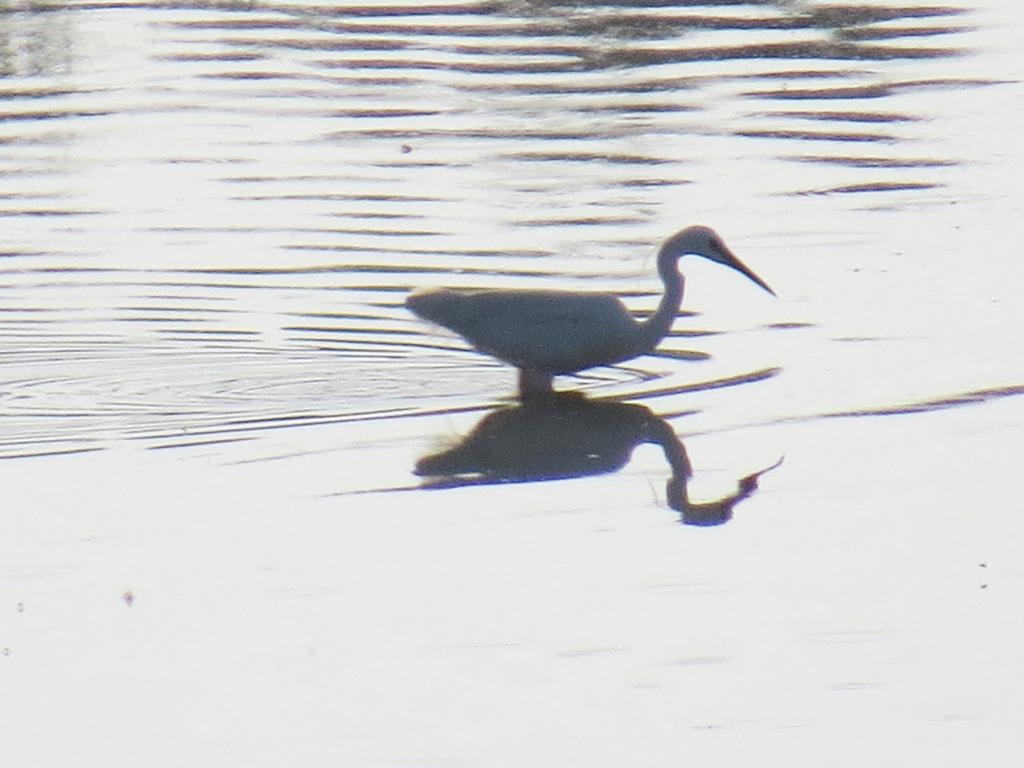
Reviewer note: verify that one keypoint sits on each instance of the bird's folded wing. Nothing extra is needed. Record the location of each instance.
(547, 330)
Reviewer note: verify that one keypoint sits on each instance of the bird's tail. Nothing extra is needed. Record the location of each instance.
(436, 305)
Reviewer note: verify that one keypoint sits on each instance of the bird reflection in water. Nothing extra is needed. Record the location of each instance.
(565, 436)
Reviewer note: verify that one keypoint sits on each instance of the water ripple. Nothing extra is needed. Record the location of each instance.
(209, 230)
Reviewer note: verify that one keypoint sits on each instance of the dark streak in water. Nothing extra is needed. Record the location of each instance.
(845, 117)
(47, 212)
(588, 221)
(218, 56)
(583, 156)
(680, 354)
(349, 330)
(729, 381)
(47, 115)
(787, 326)
(889, 33)
(199, 443)
(952, 401)
(974, 397)
(875, 91)
(208, 331)
(876, 162)
(53, 452)
(877, 186)
(840, 136)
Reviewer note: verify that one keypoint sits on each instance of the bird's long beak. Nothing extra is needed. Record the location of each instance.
(730, 260)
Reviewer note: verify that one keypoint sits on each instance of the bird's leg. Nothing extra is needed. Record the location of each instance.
(533, 384)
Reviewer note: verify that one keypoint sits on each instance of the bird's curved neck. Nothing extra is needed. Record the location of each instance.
(657, 326)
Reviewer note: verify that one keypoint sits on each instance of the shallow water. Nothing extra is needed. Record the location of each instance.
(213, 399)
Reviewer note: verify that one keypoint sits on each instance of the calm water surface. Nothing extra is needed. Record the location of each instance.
(211, 213)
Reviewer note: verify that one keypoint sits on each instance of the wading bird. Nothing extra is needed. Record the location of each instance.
(547, 333)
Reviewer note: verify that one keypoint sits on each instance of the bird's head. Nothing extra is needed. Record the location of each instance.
(700, 240)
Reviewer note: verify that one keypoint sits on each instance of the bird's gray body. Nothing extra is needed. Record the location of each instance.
(553, 331)
(547, 333)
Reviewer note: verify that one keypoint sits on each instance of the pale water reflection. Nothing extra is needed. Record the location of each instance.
(210, 214)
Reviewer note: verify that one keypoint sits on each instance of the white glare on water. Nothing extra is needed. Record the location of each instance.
(213, 400)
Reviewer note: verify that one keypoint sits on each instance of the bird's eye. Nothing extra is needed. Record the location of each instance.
(716, 244)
